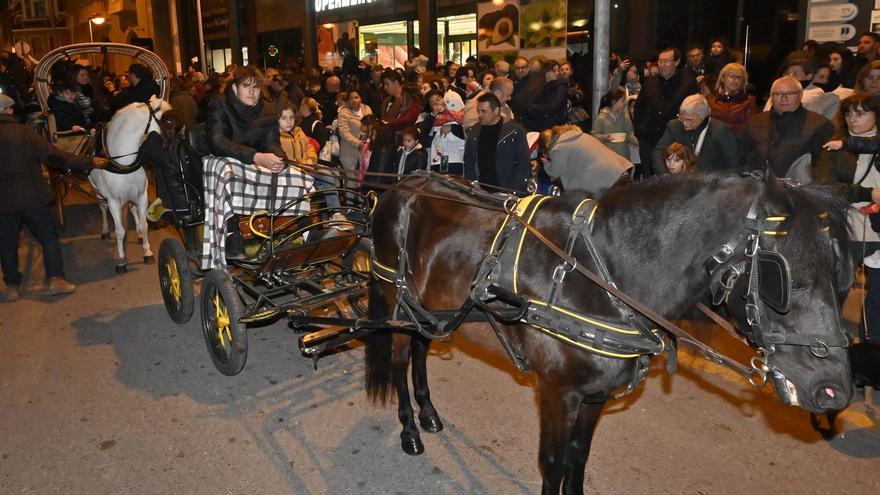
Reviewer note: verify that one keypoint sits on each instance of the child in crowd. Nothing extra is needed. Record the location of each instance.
(297, 147)
(443, 130)
(613, 126)
(680, 159)
(411, 156)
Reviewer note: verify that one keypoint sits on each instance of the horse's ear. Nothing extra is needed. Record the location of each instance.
(775, 193)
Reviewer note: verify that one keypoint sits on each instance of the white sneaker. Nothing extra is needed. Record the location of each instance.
(340, 222)
(873, 260)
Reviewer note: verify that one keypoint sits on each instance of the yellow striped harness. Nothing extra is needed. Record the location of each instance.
(497, 290)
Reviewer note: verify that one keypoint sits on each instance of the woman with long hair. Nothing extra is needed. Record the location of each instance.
(855, 171)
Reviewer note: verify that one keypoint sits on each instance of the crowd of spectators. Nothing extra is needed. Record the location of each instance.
(683, 111)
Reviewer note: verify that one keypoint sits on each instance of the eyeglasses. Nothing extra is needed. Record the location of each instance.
(872, 78)
(520, 67)
(790, 94)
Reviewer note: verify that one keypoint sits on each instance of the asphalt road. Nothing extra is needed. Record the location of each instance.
(100, 392)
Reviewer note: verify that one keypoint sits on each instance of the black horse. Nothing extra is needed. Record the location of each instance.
(655, 238)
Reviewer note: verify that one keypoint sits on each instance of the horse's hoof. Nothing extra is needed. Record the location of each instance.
(412, 445)
(121, 268)
(149, 260)
(105, 236)
(431, 424)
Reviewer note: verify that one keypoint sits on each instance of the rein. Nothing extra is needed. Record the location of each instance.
(759, 367)
(124, 169)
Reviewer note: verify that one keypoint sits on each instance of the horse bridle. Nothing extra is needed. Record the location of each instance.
(130, 168)
(724, 273)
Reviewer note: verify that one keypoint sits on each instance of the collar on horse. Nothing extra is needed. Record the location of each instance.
(127, 169)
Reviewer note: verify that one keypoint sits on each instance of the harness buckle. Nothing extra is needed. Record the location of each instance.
(753, 314)
(723, 254)
(760, 368)
(819, 348)
(753, 246)
(510, 204)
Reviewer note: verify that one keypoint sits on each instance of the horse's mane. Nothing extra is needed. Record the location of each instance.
(802, 205)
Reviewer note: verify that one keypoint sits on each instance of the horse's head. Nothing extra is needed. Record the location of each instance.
(783, 278)
(129, 127)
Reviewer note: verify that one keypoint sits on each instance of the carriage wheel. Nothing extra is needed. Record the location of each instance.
(176, 281)
(358, 261)
(225, 336)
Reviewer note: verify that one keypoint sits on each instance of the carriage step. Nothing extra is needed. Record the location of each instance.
(314, 343)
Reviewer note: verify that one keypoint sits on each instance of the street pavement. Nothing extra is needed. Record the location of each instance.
(101, 393)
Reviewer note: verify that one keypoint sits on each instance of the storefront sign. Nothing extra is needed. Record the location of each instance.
(322, 5)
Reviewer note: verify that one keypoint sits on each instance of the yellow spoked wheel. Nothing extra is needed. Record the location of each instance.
(176, 281)
(358, 261)
(225, 336)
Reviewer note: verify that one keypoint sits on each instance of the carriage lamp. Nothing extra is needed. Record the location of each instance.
(96, 19)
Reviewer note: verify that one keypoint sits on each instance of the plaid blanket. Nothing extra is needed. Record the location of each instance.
(233, 187)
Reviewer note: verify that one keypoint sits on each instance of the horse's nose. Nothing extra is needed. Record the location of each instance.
(831, 397)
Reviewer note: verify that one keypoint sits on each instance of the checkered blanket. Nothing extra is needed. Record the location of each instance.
(233, 187)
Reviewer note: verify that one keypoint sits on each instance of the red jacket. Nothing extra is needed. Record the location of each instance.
(733, 110)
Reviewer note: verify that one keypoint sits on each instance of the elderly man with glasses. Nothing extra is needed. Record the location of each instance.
(786, 139)
(712, 141)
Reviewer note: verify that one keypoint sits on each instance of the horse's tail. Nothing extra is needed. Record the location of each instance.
(378, 349)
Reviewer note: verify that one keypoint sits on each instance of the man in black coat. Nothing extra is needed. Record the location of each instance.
(142, 87)
(787, 134)
(25, 198)
(658, 103)
(713, 141)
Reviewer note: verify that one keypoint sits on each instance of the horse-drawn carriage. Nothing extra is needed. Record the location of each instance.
(298, 265)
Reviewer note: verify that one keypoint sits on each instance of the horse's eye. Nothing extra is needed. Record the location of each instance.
(797, 286)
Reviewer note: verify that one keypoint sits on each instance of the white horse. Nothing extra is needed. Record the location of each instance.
(123, 137)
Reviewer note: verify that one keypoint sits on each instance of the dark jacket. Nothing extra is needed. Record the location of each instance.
(658, 103)
(770, 139)
(66, 114)
(520, 98)
(327, 104)
(137, 94)
(512, 161)
(838, 168)
(417, 159)
(720, 151)
(22, 186)
(238, 131)
(548, 109)
(315, 129)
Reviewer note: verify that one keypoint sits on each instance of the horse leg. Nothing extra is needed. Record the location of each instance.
(559, 411)
(578, 449)
(141, 221)
(115, 207)
(105, 229)
(410, 440)
(428, 417)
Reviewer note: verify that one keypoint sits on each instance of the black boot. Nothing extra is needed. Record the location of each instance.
(234, 240)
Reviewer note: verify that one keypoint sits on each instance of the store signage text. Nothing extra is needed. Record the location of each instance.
(322, 5)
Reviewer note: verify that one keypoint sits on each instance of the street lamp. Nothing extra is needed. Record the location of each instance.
(96, 19)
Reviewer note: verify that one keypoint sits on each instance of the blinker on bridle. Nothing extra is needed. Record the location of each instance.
(769, 283)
